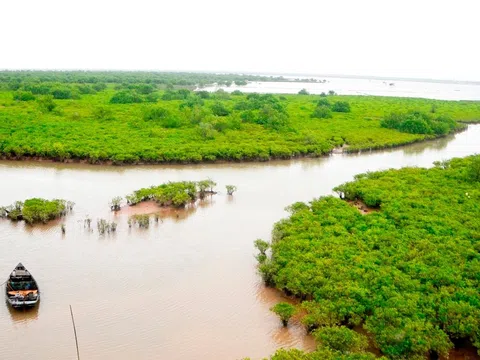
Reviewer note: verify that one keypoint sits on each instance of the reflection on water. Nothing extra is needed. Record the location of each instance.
(24, 315)
(284, 336)
(186, 287)
(438, 144)
(164, 213)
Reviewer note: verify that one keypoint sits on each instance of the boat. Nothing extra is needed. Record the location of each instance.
(21, 289)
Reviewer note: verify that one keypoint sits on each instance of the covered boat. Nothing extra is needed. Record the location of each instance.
(21, 289)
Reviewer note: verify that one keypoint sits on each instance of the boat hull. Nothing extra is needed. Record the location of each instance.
(21, 289)
(16, 303)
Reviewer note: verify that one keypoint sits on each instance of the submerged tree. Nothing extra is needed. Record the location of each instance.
(285, 311)
(262, 247)
(87, 222)
(231, 189)
(143, 220)
(116, 203)
(104, 226)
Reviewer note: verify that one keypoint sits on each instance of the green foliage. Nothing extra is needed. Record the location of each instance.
(113, 121)
(324, 102)
(219, 109)
(303, 92)
(181, 94)
(341, 106)
(46, 103)
(37, 210)
(407, 273)
(221, 94)
(143, 220)
(23, 96)
(231, 189)
(62, 92)
(322, 112)
(261, 245)
(474, 169)
(284, 311)
(191, 102)
(156, 113)
(102, 113)
(319, 354)
(176, 194)
(341, 339)
(103, 226)
(203, 94)
(416, 122)
(126, 97)
(206, 130)
(116, 203)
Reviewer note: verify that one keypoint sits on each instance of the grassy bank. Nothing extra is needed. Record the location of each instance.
(137, 123)
(407, 274)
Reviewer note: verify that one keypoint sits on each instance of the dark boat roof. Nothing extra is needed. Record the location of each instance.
(20, 272)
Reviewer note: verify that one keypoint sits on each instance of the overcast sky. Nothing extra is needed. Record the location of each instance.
(398, 38)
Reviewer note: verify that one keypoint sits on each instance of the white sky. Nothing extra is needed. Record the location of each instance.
(422, 38)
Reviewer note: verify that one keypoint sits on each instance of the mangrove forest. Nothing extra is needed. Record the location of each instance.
(404, 278)
(130, 118)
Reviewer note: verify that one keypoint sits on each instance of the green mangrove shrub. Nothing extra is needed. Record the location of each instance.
(176, 194)
(407, 274)
(417, 122)
(341, 106)
(116, 203)
(284, 311)
(37, 210)
(230, 189)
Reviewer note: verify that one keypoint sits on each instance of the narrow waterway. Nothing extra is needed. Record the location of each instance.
(186, 287)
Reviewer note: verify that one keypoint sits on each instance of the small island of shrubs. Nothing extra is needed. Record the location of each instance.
(36, 210)
(175, 194)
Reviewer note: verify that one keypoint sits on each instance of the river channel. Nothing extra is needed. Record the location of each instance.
(186, 287)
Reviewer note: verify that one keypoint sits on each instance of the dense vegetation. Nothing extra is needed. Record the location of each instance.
(177, 194)
(125, 118)
(409, 274)
(14, 78)
(416, 122)
(36, 210)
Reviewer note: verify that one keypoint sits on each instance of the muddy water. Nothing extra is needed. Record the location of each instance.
(185, 288)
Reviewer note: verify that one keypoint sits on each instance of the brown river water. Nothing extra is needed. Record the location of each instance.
(186, 287)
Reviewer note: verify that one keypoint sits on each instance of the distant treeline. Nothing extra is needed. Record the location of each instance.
(134, 77)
